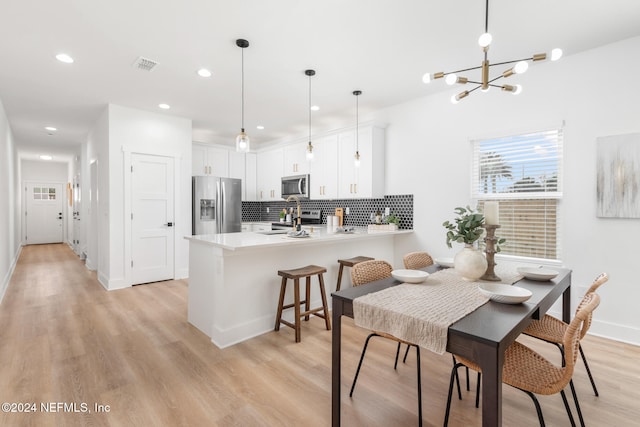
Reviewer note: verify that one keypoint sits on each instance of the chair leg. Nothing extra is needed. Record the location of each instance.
(454, 376)
(466, 369)
(566, 407)
(538, 409)
(478, 389)
(575, 400)
(586, 365)
(364, 350)
(457, 377)
(395, 365)
(419, 388)
(406, 352)
(296, 308)
(307, 298)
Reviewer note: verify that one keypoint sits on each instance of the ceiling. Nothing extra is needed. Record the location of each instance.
(381, 47)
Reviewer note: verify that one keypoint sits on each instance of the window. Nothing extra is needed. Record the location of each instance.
(44, 193)
(524, 174)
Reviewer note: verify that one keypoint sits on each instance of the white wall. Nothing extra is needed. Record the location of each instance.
(150, 133)
(428, 154)
(35, 170)
(9, 210)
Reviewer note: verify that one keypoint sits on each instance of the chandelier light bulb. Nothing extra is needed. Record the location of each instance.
(485, 40)
(451, 79)
(310, 151)
(485, 89)
(518, 90)
(426, 79)
(521, 67)
(356, 160)
(242, 141)
(556, 54)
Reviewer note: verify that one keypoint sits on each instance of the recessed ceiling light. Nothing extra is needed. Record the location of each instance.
(50, 128)
(260, 127)
(314, 108)
(203, 72)
(164, 106)
(45, 157)
(63, 57)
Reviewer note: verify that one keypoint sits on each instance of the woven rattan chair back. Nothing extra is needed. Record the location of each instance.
(370, 271)
(602, 278)
(417, 260)
(572, 335)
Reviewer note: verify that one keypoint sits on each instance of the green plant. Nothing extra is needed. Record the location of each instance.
(466, 228)
(393, 219)
(283, 213)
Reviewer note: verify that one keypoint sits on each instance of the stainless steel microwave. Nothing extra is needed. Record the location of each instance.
(297, 185)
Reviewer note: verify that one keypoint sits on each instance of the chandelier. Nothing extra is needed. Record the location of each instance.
(486, 82)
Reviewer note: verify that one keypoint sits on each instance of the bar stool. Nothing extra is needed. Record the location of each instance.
(296, 275)
(349, 262)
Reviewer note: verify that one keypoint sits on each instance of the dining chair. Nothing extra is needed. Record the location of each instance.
(551, 329)
(417, 260)
(370, 271)
(530, 372)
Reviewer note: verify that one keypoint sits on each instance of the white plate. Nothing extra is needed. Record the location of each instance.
(506, 294)
(537, 273)
(410, 276)
(444, 262)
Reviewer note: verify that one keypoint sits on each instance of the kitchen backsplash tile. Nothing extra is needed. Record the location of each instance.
(360, 210)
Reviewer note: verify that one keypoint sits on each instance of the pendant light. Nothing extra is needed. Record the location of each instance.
(242, 140)
(356, 161)
(310, 73)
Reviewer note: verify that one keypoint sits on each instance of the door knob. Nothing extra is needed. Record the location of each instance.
(169, 224)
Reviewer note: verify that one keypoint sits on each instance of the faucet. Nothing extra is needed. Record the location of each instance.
(294, 197)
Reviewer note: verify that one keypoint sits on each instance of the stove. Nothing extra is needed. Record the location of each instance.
(307, 217)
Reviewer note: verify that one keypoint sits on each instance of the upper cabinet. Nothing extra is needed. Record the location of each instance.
(324, 168)
(209, 160)
(295, 159)
(243, 166)
(270, 168)
(367, 180)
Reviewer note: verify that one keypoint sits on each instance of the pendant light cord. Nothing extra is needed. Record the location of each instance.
(242, 89)
(357, 125)
(309, 107)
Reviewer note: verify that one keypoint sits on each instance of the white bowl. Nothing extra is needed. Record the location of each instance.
(410, 276)
(506, 294)
(444, 262)
(537, 273)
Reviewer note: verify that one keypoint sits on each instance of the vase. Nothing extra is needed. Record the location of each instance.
(470, 263)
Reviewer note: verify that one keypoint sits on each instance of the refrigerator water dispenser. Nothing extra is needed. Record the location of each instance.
(207, 210)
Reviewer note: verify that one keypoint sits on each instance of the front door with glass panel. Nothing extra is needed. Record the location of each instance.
(44, 219)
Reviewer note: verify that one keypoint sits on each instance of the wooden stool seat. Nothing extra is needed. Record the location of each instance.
(349, 262)
(296, 274)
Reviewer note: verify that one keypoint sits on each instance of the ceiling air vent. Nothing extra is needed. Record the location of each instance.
(145, 64)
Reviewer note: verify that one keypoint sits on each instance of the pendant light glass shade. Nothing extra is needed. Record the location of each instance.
(309, 154)
(356, 158)
(242, 140)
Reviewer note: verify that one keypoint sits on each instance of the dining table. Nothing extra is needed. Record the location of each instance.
(482, 335)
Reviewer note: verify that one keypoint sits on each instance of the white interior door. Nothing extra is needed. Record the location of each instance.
(44, 223)
(152, 216)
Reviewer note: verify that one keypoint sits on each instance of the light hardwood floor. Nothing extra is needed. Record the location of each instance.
(63, 338)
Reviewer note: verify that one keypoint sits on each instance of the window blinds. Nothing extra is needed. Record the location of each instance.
(524, 174)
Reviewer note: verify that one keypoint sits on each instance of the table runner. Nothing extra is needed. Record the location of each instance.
(421, 313)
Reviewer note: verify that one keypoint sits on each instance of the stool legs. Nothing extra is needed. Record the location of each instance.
(308, 311)
(339, 277)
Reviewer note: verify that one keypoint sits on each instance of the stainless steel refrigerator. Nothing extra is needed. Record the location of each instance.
(217, 205)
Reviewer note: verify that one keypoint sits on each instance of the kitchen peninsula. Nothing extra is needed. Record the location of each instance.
(233, 281)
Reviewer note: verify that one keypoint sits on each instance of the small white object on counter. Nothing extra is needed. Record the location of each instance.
(537, 273)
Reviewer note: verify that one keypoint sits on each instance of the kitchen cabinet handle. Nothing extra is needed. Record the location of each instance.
(355, 188)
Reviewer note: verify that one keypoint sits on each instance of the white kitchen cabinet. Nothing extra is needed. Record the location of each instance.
(209, 160)
(270, 172)
(368, 179)
(243, 166)
(324, 168)
(295, 159)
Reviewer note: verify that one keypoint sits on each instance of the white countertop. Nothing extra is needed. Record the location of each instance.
(235, 241)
